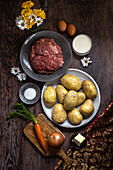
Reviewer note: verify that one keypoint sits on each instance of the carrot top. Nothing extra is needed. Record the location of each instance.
(22, 111)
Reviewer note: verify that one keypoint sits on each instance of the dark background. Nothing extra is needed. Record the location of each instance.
(92, 17)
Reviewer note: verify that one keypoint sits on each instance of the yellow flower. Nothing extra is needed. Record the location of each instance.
(27, 4)
(29, 24)
(39, 13)
(25, 13)
(42, 15)
(36, 11)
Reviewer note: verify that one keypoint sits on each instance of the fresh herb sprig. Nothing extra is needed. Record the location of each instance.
(22, 111)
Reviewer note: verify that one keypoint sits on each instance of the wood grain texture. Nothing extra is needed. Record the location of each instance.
(47, 129)
(94, 18)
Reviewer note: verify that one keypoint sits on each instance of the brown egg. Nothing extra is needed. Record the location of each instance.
(62, 25)
(71, 29)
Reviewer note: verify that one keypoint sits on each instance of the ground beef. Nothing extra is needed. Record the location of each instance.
(46, 56)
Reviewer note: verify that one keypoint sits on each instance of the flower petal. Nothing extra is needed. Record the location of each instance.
(85, 61)
(15, 70)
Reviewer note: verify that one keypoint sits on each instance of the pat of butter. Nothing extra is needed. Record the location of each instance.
(79, 139)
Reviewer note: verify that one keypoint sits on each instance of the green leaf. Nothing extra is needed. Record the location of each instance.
(12, 115)
(22, 111)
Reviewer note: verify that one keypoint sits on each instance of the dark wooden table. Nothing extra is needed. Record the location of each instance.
(94, 18)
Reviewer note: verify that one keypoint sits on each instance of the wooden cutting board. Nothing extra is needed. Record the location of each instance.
(47, 129)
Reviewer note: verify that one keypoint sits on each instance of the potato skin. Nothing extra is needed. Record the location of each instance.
(61, 93)
(87, 108)
(89, 89)
(59, 114)
(71, 82)
(50, 96)
(81, 98)
(75, 117)
(70, 100)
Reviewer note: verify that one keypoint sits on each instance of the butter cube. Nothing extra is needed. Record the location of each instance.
(79, 139)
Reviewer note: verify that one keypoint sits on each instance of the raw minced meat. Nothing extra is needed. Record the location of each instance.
(46, 56)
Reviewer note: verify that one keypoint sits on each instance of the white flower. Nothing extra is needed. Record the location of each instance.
(39, 21)
(15, 70)
(85, 61)
(18, 19)
(21, 76)
(32, 17)
(21, 23)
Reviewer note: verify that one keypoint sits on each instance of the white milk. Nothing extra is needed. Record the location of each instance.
(82, 44)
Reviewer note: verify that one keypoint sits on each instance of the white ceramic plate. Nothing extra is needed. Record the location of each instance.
(83, 76)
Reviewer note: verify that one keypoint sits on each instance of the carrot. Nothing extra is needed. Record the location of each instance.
(40, 136)
(24, 112)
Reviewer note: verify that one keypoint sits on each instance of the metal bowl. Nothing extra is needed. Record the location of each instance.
(22, 90)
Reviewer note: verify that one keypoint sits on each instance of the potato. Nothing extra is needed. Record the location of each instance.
(89, 89)
(81, 98)
(50, 96)
(70, 100)
(71, 82)
(61, 92)
(59, 114)
(87, 108)
(75, 117)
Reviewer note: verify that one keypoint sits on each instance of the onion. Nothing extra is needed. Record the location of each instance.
(56, 139)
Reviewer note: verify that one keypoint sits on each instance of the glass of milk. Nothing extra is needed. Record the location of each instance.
(82, 44)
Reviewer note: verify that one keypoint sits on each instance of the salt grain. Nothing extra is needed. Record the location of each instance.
(30, 93)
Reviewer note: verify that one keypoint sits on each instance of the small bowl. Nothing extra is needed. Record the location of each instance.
(74, 144)
(25, 87)
(82, 44)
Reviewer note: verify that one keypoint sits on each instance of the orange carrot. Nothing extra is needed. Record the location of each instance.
(40, 136)
(23, 111)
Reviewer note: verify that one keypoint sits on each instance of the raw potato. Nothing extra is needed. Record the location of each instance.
(87, 108)
(70, 100)
(75, 117)
(50, 96)
(81, 98)
(61, 92)
(71, 82)
(59, 114)
(89, 89)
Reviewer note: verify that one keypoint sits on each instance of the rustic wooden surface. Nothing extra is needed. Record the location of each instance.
(47, 128)
(94, 18)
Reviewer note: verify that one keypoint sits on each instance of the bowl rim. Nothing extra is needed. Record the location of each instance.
(44, 77)
(77, 52)
(26, 86)
(97, 100)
